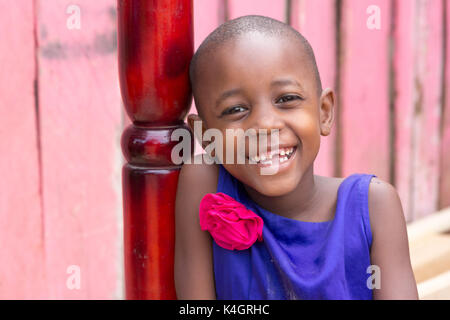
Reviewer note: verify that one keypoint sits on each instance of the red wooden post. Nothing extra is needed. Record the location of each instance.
(155, 39)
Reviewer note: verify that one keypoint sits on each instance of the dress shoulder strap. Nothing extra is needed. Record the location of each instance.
(227, 183)
(353, 204)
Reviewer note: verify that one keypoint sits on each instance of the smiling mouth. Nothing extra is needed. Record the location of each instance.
(281, 155)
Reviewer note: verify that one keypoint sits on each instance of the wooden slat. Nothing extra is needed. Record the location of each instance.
(418, 76)
(437, 288)
(404, 58)
(269, 8)
(438, 222)
(21, 238)
(430, 256)
(316, 20)
(444, 199)
(426, 120)
(365, 90)
(208, 15)
(429, 243)
(81, 125)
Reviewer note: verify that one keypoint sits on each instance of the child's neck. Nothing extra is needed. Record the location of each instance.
(298, 204)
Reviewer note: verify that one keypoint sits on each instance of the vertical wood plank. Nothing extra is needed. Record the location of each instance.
(404, 61)
(444, 198)
(365, 89)
(81, 126)
(419, 67)
(208, 15)
(427, 107)
(316, 20)
(269, 8)
(22, 253)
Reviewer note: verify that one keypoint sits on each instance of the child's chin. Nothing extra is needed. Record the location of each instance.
(275, 188)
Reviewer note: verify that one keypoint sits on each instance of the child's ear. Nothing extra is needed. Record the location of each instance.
(198, 134)
(326, 109)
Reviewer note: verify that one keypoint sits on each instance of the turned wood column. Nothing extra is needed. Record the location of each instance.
(155, 39)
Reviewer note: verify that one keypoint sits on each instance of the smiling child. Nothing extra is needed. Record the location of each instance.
(322, 236)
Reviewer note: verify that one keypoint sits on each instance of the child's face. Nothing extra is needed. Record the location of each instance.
(260, 82)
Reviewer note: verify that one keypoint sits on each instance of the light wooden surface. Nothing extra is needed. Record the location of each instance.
(429, 242)
(437, 288)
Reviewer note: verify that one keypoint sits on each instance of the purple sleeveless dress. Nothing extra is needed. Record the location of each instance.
(297, 259)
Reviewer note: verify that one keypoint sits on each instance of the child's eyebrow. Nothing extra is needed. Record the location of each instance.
(275, 83)
(285, 82)
(228, 94)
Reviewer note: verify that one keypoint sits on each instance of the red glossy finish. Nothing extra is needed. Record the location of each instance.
(155, 48)
(149, 203)
(144, 147)
(155, 39)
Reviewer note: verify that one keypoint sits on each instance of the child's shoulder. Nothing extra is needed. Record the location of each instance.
(383, 200)
(386, 215)
(199, 176)
(194, 182)
(377, 186)
(381, 195)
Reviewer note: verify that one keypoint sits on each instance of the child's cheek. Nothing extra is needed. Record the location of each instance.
(307, 131)
(306, 124)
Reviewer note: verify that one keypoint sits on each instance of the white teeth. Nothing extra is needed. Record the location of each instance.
(282, 153)
(289, 151)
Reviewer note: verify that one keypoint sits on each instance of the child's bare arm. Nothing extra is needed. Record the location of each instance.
(390, 249)
(194, 278)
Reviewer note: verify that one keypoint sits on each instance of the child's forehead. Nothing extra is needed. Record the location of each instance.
(253, 53)
(257, 44)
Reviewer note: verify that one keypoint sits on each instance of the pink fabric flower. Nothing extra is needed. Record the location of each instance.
(229, 222)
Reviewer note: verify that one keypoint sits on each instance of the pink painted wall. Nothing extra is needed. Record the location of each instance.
(61, 121)
(61, 118)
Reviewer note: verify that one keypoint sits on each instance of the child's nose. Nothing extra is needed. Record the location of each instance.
(267, 119)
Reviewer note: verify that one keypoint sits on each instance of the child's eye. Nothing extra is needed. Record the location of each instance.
(233, 110)
(288, 98)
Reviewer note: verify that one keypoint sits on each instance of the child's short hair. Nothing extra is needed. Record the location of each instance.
(248, 24)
